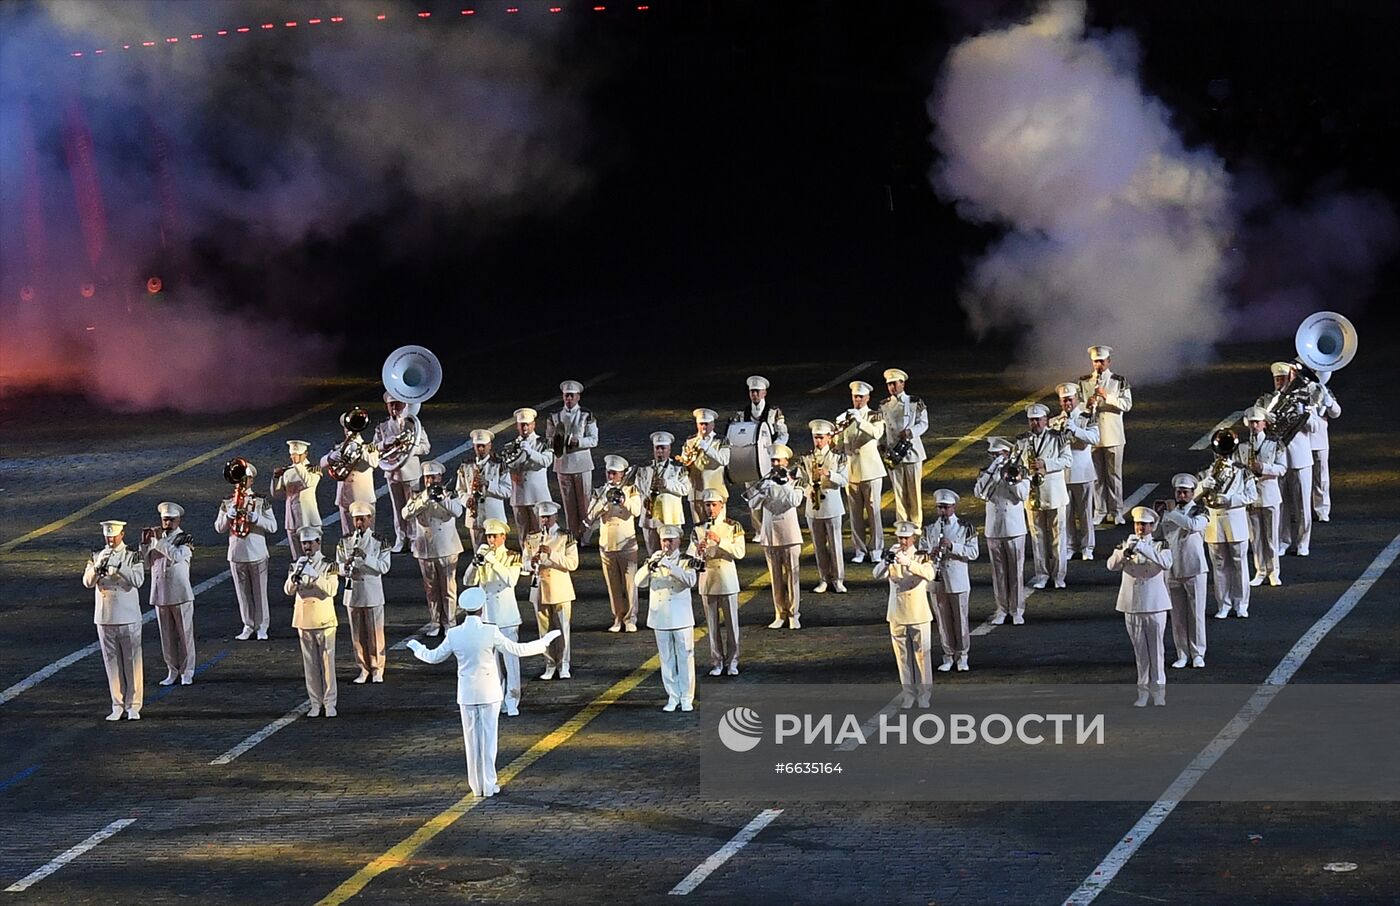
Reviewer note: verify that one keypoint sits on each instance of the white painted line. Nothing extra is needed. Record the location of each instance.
(262, 734)
(725, 852)
(1227, 421)
(42, 873)
(1099, 879)
(69, 660)
(403, 643)
(839, 378)
(871, 725)
(1138, 496)
(987, 625)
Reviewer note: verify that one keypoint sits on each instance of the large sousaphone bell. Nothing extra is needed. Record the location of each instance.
(412, 374)
(1325, 342)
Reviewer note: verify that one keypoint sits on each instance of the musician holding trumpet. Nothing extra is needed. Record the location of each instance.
(614, 510)
(362, 559)
(527, 458)
(572, 433)
(399, 443)
(483, 485)
(716, 544)
(297, 483)
(312, 582)
(905, 419)
(1107, 396)
(247, 518)
(857, 438)
(1144, 602)
(166, 551)
(705, 455)
(775, 499)
(1266, 458)
(951, 544)
(495, 570)
(1045, 454)
(1004, 486)
(551, 556)
(436, 545)
(1180, 524)
(114, 574)
(908, 614)
(664, 485)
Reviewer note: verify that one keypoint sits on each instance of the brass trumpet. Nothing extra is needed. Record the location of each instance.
(236, 473)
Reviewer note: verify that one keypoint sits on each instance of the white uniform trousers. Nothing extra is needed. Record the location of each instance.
(121, 656)
(250, 585)
(440, 588)
(826, 539)
(1188, 615)
(367, 637)
(1047, 528)
(906, 480)
(911, 643)
(1108, 486)
(722, 624)
(1321, 486)
(1080, 518)
(1009, 573)
(951, 613)
(783, 567)
(1263, 539)
(1295, 516)
(556, 616)
(509, 668)
(620, 574)
(527, 521)
(318, 663)
(574, 492)
(1145, 631)
(400, 493)
(176, 622)
(479, 723)
(677, 650)
(1227, 565)
(867, 523)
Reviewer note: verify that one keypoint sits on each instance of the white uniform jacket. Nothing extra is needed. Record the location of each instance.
(720, 577)
(169, 565)
(1272, 461)
(1324, 406)
(358, 487)
(668, 600)
(556, 585)
(1181, 530)
(581, 432)
(298, 485)
(905, 411)
(1083, 436)
(497, 577)
(1143, 588)
(1117, 400)
(860, 442)
(529, 479)
(832, 504)
(772, 430)
(411, 466)
(475, 643)
(315, 593)
(707, 471)
(668, 505)
(115, 598)
(1228, 522)
(617, 524)
(909, 582)
(495, 490)
(254, 547)
(778, 504)
(963, 536)
(1006, 511)
(437, 524)
(1052, 447)
(364, 583)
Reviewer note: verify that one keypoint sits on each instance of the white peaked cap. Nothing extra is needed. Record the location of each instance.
(482, 436)
(1281, 369)
(170, 509)
(570, 387)
(757, 382)
(997, 444)
(781, 451)
(1068, 388)
(524, 415)
(711, 495)
(112, 527)
(820, 426)
(472, 599)
(705, 415)
(946, 495)
(495, 527)
(1037, 410)
(433, 467)
(1144, 514)
(1100, 352)
(360, 508)
(1184, 480)
(614, 463)
(895, 374)
(297, 446)
(903, 529)
(309, 533)
(547, 508)
(1255, 413)
(659, 438)
(669, 531)
(861, 387)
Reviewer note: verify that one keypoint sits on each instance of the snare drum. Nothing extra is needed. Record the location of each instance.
(743, 452)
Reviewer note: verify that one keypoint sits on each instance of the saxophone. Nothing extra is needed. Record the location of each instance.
(814, 483)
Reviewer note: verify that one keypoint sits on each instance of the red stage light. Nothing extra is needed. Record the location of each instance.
(556, 9)
(26, 294)
(126, 47)
(599, 9)
(469, 12)
(244, 30)
(512, 9)
(381, 17)
(268, 25)
(290, 24)
(148, 44)
(195, 37)
(223, 32)
(76, 53)
(153, 285)
(87, 290)
(643, 8)
(172, 40)
(424, 15)
(313, 21)
(337, 18)
(99, 50)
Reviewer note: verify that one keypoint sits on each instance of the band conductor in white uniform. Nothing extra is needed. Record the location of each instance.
(475, 644)
(858, 437)
(114, 574)
(670, 615)
(1144, 602)
(572, 433)
(362, 559)
(908, 613)
(166, 551)
(313, 583)
(1108, 396)
(905, 420)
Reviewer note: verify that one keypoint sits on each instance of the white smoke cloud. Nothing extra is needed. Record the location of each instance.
(1116, 231)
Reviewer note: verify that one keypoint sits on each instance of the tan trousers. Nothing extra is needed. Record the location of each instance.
(1047, 528)
(556, 616)
(722, 624)
(1145, 631)
(677, 650)
(1188, 615)
(867, 523)
(1108, 489)
(1295, 516)
(783, 567)
(1321, 486)
(1227, 565)
(1080, 518)
(250, 585)
(318, 663)
(440, 588)
(367, 637)
(509, 665)
(619, 574)
(906, 480)
(574, 492)
(951, 613)
(1263, 539)
(1009, 573)
(826, 539)
(176, 622)
(400, 493)
(121, 656)
(912, 642)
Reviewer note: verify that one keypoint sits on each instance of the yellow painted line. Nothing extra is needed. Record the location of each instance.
(404, 851)
(144, 483)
